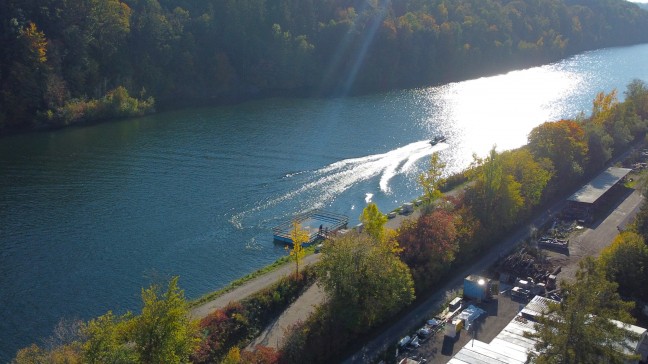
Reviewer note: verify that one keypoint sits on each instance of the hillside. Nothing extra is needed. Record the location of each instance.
(66, 62)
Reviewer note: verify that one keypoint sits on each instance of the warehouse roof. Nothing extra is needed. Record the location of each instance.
(599, 185)
(511, 346)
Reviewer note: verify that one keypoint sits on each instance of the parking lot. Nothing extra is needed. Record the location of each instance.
(500, 310)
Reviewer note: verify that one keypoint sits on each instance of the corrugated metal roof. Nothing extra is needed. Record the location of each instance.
(599, 185)
(510, 346)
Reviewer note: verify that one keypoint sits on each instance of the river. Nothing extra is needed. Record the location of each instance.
(89, 216)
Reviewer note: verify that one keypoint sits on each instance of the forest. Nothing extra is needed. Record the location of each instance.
(65, 62)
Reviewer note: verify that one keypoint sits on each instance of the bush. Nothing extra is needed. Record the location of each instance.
(239, 323)
(115, 104)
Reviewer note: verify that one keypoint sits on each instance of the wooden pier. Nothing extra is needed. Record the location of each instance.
(317, 223)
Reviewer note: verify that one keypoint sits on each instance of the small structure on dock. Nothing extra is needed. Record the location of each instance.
(318, 223)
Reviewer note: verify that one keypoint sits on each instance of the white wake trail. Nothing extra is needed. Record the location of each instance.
(329, 182)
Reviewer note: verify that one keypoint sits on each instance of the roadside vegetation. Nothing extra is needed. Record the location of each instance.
(371, 276)
(63, 59)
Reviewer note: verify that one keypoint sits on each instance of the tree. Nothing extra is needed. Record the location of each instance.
(626, 263)
(163, 333)
(107, 338)
(563, 143)
(429, 246)
(365, 280)
(532, 175)
(640, 224)
(581, 328)
(63, 354)
(602, 107)
(373, 221)
(495, 196)
(233, 356)
(637, 97)
(599, 144)
(432, 178)
(260, 355)
(298, 236)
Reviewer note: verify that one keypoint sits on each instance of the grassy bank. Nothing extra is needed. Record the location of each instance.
(282, 261)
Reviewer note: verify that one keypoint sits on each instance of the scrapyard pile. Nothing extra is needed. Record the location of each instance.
(523, 263)
(551, 243)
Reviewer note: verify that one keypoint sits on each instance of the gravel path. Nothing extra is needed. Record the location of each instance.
(249, 288)
(273, 335)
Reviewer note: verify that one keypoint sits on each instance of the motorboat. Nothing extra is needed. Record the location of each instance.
(437, 139)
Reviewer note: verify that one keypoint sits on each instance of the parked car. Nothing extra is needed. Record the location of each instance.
(404, 342)
(519, 292)
(424, 334)
(414, 343)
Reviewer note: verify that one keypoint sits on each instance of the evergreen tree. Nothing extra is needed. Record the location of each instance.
(581, 328)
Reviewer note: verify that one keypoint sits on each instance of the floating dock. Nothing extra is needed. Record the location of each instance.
(312, 221)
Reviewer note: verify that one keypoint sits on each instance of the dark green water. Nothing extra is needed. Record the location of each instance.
(90, 215)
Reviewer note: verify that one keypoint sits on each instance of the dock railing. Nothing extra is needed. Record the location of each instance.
(333, 222)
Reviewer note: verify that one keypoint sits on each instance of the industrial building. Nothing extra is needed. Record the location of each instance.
(511, 346)
(586, 201)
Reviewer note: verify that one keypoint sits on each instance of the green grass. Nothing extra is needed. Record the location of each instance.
(282, 261)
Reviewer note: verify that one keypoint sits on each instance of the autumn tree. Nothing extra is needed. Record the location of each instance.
(63, 354)
(365, 280)
(626, 263)
(233, 356)
(532, 175)
(164, 333)
(581, 328)
(63, 346)
(563, 143)
(495, 197)
(432, 179)
(429, 245)
(260, 355)
(107, 340)
(298, 236)
(373, 221)
(602, 107)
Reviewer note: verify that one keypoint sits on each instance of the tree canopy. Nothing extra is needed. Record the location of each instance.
(365, 280)
(61, 57)
(373, 221)
(626, 263)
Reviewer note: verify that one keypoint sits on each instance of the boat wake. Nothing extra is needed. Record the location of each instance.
(321, 186)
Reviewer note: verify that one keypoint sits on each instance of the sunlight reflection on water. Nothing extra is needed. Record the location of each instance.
(498, 110)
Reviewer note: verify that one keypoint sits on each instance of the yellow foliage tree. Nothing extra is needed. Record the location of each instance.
(431, 180)
(298, 236)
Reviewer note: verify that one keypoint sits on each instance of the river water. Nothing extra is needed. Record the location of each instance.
(90, 215)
